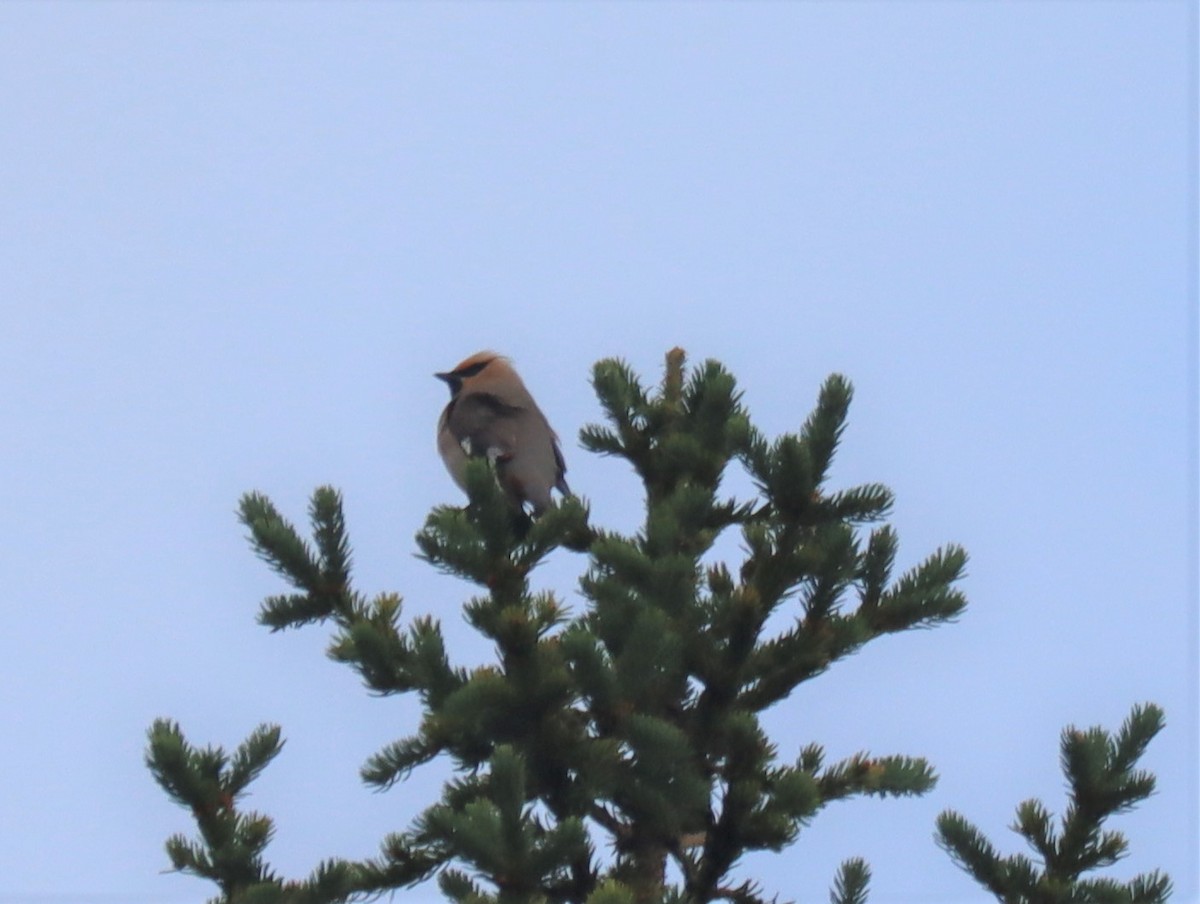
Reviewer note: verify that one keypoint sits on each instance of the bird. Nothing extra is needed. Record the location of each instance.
(492, 415)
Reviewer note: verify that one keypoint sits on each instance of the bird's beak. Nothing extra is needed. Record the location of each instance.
(445, 378)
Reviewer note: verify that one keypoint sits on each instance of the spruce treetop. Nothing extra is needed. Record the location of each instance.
(614, 750)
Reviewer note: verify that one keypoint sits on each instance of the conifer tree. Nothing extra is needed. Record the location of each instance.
(613, 753)
(1102, 781)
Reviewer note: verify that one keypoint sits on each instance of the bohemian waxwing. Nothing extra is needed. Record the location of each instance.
(492, 415)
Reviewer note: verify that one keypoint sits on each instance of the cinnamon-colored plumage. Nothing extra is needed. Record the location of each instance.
(492, 415)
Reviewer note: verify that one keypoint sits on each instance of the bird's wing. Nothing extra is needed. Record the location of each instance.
(561, 473)
(483, 425)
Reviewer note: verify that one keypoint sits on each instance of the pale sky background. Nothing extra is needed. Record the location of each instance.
(237, 239)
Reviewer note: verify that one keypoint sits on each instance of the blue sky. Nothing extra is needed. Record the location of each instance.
(236, 240)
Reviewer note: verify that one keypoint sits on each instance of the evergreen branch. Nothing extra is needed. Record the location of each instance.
(833, 563)
(857, 505)
(561, 846)
(457, 886)
(265, 893)
(850, 884)
(464, 788)
(592, 669)
(276, 542)
(792, 799)
(664, 792)
(491, 544)
(648, 666)
(173, 763)
(788, 480)
(1100, 891)
(391, 662)
(1103, 781)
(688, 520)
(324, 578)
(507, 788)
(1151, 888)
(253, 756)
(746, 893)
(562, 524)
(611, 892)
(876, 567)
(1144, 722)
(334, 880)
(453, 542)
(601, 440)
(970, 849)
(373, 644)
(230, 850)
(293, 610)
(625, 406)
(1034, 823)
(615, 828)
(777, 666)
(429, 664)
(497, 836)
(822, 431)
(405, 860)
(474, 717)
(759, 807)
(623, 562)
(923, 596)
(329, 531)
(396, 760)
(811, 759)
(886, 776)
(756, 457)
(714, 417)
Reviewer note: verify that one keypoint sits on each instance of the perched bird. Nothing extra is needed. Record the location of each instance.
(492, 415)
